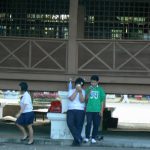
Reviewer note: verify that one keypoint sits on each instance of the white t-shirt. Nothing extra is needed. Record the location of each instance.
(26, 100)
(76, 104)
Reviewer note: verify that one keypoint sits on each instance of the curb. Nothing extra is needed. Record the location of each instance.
(104, 143)
(37, 141)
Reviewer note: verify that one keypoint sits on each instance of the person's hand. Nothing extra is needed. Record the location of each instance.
(17, 115)
(78, 88)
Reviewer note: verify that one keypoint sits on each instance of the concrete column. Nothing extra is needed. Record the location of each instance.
(72, 44)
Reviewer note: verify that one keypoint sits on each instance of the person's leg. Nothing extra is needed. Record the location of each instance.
(96, 124)
(22, 129)
(79, 121)
(88, 125)
(71, 122)
(30, 129)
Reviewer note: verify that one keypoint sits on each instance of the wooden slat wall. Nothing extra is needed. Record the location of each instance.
(43, 63)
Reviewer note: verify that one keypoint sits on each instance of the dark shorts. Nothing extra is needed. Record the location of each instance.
(25, 118)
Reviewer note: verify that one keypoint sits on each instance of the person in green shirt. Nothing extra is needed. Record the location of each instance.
(95, 97)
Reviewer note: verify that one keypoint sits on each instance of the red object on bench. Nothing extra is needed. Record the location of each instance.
(55, 107)
(138, 97)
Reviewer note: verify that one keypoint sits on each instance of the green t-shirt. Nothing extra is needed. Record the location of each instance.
(95, 99)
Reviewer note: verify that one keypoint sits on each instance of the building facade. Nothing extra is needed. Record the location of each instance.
(47, 42)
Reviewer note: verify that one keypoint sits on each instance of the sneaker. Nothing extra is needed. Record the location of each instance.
(93, 141)
(86, 140)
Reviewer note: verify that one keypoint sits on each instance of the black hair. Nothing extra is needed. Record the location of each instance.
(24, 86)
(95, 78)
(79, 81)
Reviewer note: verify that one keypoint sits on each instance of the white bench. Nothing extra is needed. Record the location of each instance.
(59, 128)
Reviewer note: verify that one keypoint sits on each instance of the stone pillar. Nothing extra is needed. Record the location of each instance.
(72, 44)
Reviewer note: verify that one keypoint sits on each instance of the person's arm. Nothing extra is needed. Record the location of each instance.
(103, 98)
(87, 96)
(25, 102)
(21, 110)
(73, 96)
(81, 97)
(102, 109)
(77, 90)
(88, 92)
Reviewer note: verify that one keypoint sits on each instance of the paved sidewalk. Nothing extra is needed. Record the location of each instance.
(9, 133)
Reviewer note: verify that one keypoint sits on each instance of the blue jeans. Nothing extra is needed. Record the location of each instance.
(75, 121)
(92, 118)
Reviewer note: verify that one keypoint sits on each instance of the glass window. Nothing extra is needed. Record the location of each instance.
(117, 19)
(32, 18)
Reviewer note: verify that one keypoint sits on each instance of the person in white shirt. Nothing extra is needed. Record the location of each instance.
(25, 116)
(76, 111)
(125, 99)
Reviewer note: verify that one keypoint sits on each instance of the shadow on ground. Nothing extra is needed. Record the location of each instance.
(9, 129)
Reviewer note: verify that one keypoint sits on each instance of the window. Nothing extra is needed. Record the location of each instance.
(117, 19)
(32, 18)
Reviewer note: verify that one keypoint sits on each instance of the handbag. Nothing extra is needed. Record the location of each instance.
(55, 107)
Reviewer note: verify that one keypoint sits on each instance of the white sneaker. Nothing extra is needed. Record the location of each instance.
(93, 141)
(86, 140)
